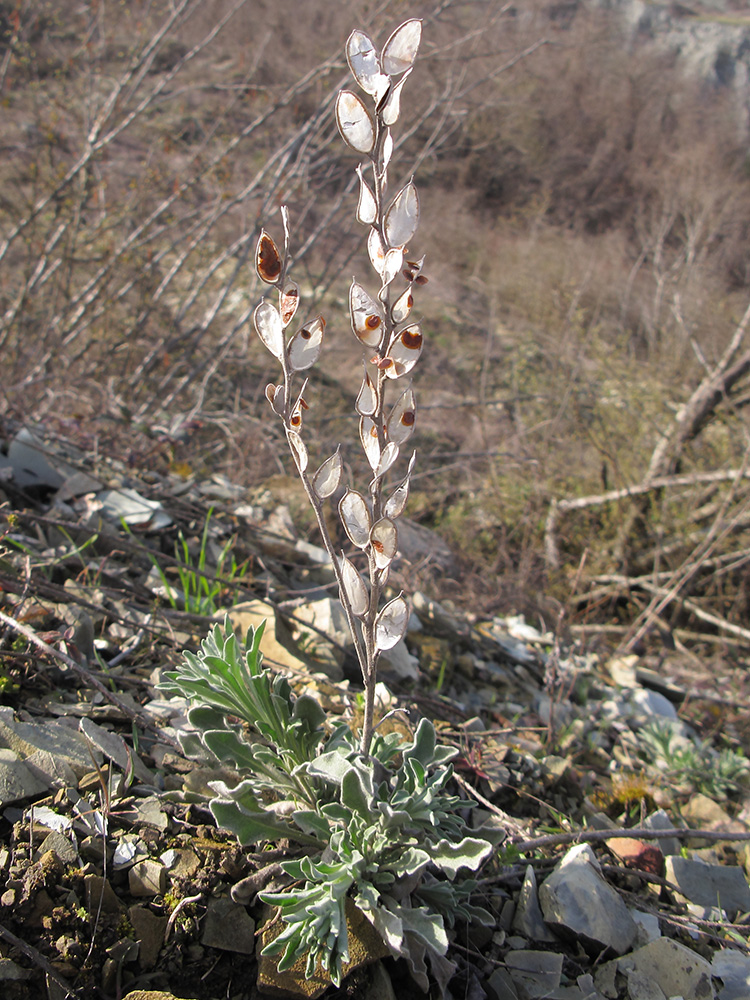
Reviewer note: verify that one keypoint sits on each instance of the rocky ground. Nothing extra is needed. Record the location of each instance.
(619, 786)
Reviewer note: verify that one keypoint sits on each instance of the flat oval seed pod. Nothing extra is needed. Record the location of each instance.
(404, 351)
(387, 153)
(278, 400)
(392, 265)
(387, 458)
(396, 502)
(376, 250)
(355, 588)
(402, 217)
(354, 122)
(304, 347)
(400, 51)
(384, 542)
(367, 400)
(365, 315)
(355, 517)
(364, 64)
(392, 107)
(402, 420)
(269, 328)
(326, 480)
(298, 449)
(267, 259)
(288, 302)
(390, 625)
(368, 435)
(402, 306)
(367, 209)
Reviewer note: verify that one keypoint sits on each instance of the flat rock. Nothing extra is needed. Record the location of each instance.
(62, 846)
(722, 886)
(147, 878)
(248, 613)
(149, 933)
(62, 742)
(678, 971)
(661, 820)
(577, 901)
(703, 813)
(17, 781)
(538, 972)
(528, 919)
(229, 927)
(733, 969)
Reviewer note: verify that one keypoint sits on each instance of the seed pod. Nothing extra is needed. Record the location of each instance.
(354, 122)
(326, 480)
(367, 209)
(304, 347)
(390, 625)
(384, 542)
(368, 435)
(391, 265)
(396, 502)
(392, 107)
(404, 351)
(376, 250)
(267, 259)
(354, 587)
(269, 327)
(365, 66)
(387, 457)
(288, 302)
(402, 306)
(367, 400)
(355, 517)
(402, 217)
(298, 449)
(402, 419)
(400, 51)
(365, 315)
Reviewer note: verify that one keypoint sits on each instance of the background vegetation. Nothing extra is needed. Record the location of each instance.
(585, 213)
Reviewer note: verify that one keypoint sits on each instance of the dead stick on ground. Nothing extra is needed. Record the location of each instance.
(595, 836)
(89, 677)
(38, 959)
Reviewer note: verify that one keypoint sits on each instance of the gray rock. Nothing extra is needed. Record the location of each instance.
(17, 781)
(528, 919)
(733, 969)
(652, 703)
(63, 743)
(62, 846)
(647, 927)
(677, 970)
(229, 927)
(538, 972)
(723, 886)
(643, 987)
(577, 901)
(147, 878)
(660, 820)
(149, 933)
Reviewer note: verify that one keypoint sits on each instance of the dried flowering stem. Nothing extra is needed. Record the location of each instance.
(391, 347)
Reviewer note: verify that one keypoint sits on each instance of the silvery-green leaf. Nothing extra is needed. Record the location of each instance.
(354, 122)
(392, 265)
(400, 51)
(368, 435)
(402, 217)
(267, 259)
(404, 351)
(396, 502)
(355, 516)
(390, 625)
(400, 425)
(367, 209)
(450, 857)
(365, 315)
(269, 327)
(392, 107)
(354, 587)
(298, 448)
(376, 250)
(326, 480)
(304, 347)
(364, 64)
(288, 302)
(387, 457)
(402, 306)
(384, 542)
(367, 400)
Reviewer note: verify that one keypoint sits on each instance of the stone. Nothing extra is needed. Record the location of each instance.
(733, 969)
(113, 746)
(577, 901)
(149, 933)
(661, 820)
(229, 927)
(702, 813)
(637, 854)
(643, 987)
(723, 886)
(100, 892)
(500, 986)
(60, 741)
(10, 971)
(150, 995)
(528, 919)
(538, 972)
(651, 703)
(147, 878)
(365, 946)
(252, 613)
(647, 927)
(17, 780)
(677, 970)
(62, 846)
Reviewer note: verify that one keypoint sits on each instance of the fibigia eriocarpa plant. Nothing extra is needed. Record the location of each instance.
(370, 817)
(391, 346)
